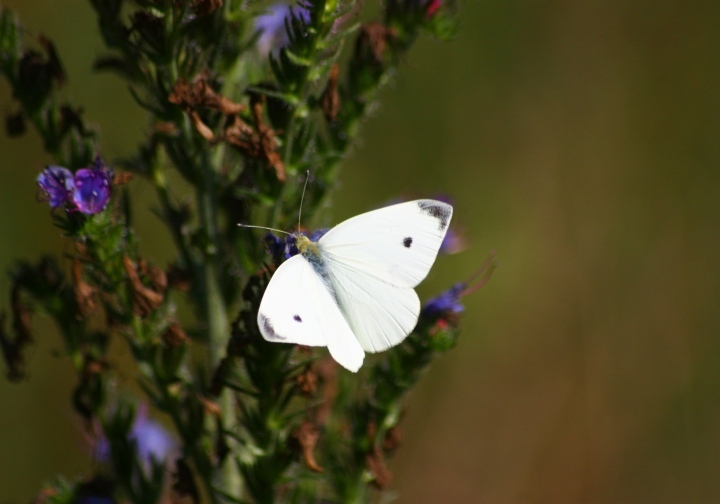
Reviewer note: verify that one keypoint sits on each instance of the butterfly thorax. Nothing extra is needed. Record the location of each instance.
(310, 250)
(306, 246)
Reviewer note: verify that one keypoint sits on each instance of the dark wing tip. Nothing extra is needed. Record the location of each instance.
(438, 210)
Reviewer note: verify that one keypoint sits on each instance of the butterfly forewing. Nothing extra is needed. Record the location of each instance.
(396, 244)
(298, 307)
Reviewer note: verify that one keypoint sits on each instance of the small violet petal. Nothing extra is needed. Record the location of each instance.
(153, 440)
(57, 183)
(92, 188)
(271, 26)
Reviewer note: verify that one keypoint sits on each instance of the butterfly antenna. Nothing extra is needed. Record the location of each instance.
(265, 228)
(302, 198)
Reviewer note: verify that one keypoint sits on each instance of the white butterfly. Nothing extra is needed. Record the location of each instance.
(353, 289)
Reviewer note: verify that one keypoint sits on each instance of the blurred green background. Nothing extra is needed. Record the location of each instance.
(581, 139)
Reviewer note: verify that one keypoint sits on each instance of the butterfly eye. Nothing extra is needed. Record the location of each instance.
(407, 242)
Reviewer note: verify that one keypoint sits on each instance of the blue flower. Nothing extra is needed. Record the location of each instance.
(152, 440)
(271, 25)
(446, 303)
(275, 245)
(57, 183)
(92, 188)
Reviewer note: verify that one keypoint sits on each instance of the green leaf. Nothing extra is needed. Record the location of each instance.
(298, 60)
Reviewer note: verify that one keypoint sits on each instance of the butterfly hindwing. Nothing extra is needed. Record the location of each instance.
(380, 314)
(298, 307)
(396, 244)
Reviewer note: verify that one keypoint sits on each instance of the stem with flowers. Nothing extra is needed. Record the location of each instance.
(243, 101)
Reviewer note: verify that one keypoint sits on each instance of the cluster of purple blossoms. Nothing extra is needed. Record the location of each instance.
(87, 190)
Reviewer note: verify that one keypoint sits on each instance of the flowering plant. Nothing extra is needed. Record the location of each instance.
(244, 100)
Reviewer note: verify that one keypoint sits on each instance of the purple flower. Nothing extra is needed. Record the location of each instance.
(275, 245)
(446, 303)
(57, 183)
(271, 26)
(92, 188)
(152, 440)
(88, 190)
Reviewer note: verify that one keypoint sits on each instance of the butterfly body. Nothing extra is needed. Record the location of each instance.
(353, 289)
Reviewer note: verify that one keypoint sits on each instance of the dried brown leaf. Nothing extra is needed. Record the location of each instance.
(145, 300)
(330, 99)
(307, 436)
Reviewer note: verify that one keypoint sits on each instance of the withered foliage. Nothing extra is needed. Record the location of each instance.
(330, 100)
(373, 42)
(145, 300)
(257, 141)
(121, 178)
(85, 294)
(174, 336)
(318, 379)
(307, 382)
(178, 278)
(375, 461)
(307, 436)
(53, 62)
(393, 439)
(199, 93)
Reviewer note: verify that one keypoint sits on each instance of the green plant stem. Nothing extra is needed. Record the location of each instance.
(215, 315)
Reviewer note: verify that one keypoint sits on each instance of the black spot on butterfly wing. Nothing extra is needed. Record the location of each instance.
(297, 318)
(407, 242)
(269, 329)
(439, 211)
